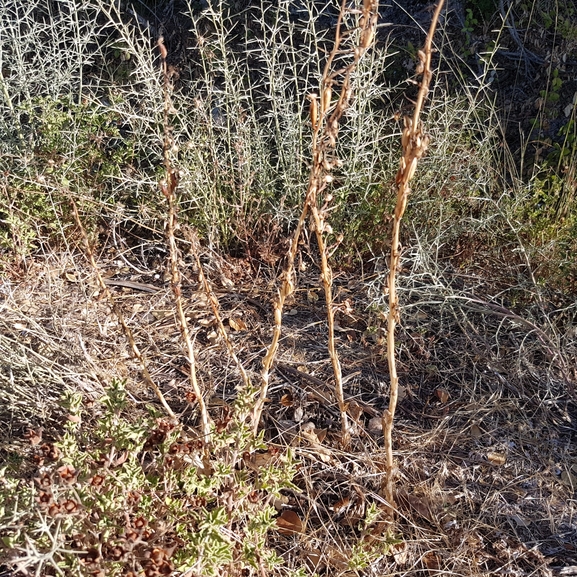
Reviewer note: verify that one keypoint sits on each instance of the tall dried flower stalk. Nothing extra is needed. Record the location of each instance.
(215, 305)
(118, 313)
(326, 111)
(168, 187)
(414, 143)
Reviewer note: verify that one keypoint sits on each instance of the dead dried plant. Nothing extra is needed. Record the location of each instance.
(326, 111)
(168, 186)
(415, 143)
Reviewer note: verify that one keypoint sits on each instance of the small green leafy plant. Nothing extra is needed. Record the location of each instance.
(139, 496)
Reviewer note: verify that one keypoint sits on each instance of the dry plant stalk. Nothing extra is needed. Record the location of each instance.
(168, 187)
(415, 143)
(326, 111)
(215, 305)
(118, 313)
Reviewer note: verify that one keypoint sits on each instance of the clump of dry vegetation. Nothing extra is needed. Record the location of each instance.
(177, 397)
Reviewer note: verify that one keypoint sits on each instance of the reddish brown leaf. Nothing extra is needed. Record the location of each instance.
(442, 395)
(432, 561)
(289, 522)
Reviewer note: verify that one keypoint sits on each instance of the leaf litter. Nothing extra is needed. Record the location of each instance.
(486, 457)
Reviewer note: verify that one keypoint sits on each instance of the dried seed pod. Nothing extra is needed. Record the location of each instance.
(162, 48)
(426, 141)
(313, 110)
(367, 37)
(67, 473)
(97, 480)
(412, 169)
(326, 100)
(44, 498)
(405, 138)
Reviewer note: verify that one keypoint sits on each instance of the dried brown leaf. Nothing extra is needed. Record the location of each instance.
(321, 434)
(476, 432)
(289, 523)
(312, 296)
(237, 324)
(432, 561)
(342, 504)
(400, 552)
(313, 558)
(442, 395)
(569, 479)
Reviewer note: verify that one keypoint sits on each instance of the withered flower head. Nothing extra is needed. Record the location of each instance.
(44, 498)
(97, 480)
(44, 481)
(54, 510)
(70, 506)
(49, 451)
(115, 553)
(156, 438)
(67, 474)
(34, 435)
(140, 523)
(131, 535)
